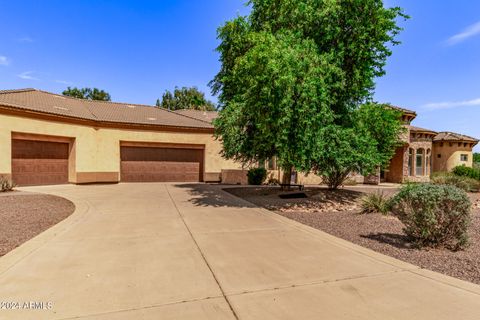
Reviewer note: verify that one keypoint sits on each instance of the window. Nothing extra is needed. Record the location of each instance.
(419, 166)
(439, 155)
(464, 157)
(272, 164)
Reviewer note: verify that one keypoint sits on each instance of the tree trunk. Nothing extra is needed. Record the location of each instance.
(287, 175)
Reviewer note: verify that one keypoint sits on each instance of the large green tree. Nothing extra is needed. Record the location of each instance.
(185, 98)
(293, 75)
(87, 93)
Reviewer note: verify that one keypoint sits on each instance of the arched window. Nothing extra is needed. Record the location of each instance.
(420, 162)
(410, 162)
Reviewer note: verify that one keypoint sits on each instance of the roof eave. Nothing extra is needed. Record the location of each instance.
(101, 123)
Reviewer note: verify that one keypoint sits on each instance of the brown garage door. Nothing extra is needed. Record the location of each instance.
(39, 162)
(160, 164)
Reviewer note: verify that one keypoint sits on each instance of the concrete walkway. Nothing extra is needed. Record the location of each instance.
(165, 251)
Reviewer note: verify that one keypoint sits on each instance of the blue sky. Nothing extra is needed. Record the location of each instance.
(136, 50)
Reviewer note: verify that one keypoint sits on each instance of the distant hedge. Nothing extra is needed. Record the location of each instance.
(464, 171)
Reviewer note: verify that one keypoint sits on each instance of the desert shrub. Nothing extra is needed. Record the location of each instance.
(375, 203)
(256, 176)
(463, 171)
(273, 181)
(350, 182)
(465, 183)
(6, 184)
(434, 215)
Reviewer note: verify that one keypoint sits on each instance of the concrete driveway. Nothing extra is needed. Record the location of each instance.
(165, 251)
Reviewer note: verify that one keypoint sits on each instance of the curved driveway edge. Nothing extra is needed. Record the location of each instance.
(23, 250)
(193, 251)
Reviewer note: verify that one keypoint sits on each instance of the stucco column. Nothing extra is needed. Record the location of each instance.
(425, 165)
(413, 172)
(6, 152)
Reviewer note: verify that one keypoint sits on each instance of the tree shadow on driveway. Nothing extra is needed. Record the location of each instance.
(212, 195)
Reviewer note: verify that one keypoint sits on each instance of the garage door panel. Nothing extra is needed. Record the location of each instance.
(160, 171)
(155, 164)
(39, 171)
(26, 149)
(39, 162)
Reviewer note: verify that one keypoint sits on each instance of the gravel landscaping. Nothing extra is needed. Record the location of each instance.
(24, 215)
(337, 213)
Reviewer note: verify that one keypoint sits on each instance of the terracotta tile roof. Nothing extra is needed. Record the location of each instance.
(208, 116)
(452, 136)
(418, 129)
(101, 111)
(404, 110)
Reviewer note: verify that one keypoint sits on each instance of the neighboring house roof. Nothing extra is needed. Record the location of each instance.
(418, 129)
(38, 101)
(208, 116)
(452, 136)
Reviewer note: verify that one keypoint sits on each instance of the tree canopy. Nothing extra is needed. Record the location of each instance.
(293, 76)
(185, 98)
(87, 93)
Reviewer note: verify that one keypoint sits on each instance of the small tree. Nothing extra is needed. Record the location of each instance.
(185, 98)
(342, 151)
(367, 145)
(87, 93)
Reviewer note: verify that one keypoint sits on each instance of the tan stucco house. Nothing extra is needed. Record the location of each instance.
(425, 151)
(47, 138)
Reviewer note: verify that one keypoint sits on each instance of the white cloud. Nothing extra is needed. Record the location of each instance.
(27, 75)
(452, 104)
(25, 39)
(469, 32)
(4, 61)
(64, 82)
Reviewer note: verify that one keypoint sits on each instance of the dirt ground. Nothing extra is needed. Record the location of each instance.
(24, 215)
(337, 213)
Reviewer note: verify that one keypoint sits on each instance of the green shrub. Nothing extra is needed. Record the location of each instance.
(434, 215)
(463, 171)
(465, 183)
(6, 184)
(375, 203)
(256, 176)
